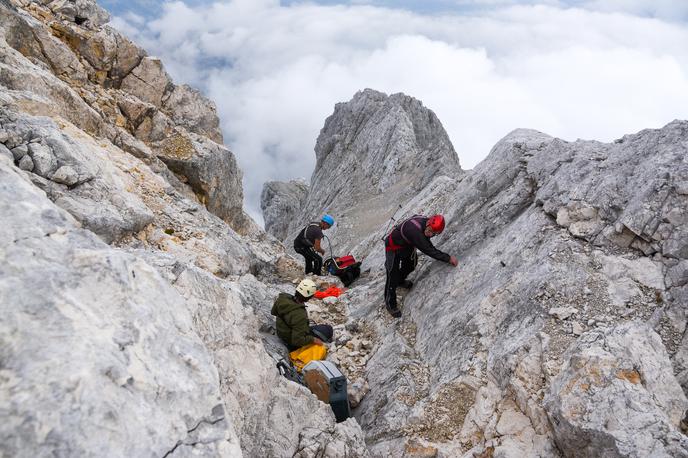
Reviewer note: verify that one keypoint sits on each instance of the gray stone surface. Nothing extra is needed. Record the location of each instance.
(65, 175)
(6, 152)
(63, 61)
(160, 340)
(79, 11)
(97, 352)
(212, 172)
(616, 395)
(281, 202)
(43, 159)
(541, 224)
(20, 151)
(110, 52)
(148, 81)
(31, 83)
(187, 107)
(26, 163)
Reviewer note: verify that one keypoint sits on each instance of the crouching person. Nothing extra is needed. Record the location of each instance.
(305, 342)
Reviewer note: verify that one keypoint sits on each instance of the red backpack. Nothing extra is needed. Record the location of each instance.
(345, 267)
(346, 261)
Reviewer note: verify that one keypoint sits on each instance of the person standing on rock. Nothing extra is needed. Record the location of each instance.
(401, 257)
(307, 244)
(292, 322)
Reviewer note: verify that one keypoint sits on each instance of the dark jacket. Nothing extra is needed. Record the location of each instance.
(292, 321)
(308, 235)
(416, 238)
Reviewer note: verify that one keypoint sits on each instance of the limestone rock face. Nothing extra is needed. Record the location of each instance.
(210, 170)
(187, 107)
(616, 396)
(112, 56)
(281, 202)
(136, 295)
(374, 153)
(148, 81)
(98, 339)
(94, 77)
(132, 306)
(82, 12)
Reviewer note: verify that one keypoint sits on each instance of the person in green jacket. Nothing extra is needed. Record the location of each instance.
(292, 322)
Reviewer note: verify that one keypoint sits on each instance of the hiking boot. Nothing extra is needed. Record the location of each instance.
(395, 312)
(406, 284)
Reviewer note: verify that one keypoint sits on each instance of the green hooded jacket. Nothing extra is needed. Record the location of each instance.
(292, 321)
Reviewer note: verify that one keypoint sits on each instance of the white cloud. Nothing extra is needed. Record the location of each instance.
(665, 9)
(276, 72)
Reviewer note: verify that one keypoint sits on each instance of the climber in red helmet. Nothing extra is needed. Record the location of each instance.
(401, 256)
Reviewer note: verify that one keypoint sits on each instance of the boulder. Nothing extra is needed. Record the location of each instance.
(617, 396)
(212, 172)
(43, 159)
(65, 175)
(148, 81)
(26, 163)
(110, 52)
(20, 151)
(187, 107)
(61, 58)
(86, 13)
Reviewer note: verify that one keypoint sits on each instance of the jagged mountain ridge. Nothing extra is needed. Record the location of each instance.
(572, 275)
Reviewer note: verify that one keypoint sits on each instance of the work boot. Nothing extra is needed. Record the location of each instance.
(394, 311)
(406, 284)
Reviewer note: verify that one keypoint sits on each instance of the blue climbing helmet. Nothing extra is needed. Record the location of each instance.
(328, 219)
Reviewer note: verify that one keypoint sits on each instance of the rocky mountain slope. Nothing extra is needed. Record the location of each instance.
(135, 293)
(562, 331)
(131, 303)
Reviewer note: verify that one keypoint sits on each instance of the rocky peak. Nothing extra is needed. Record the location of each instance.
(374, 153)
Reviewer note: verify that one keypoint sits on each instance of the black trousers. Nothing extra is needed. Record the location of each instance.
(314, 261)
(398, 264)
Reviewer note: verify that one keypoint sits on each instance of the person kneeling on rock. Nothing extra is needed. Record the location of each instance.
(307, 244)
(292, 322)
(401, 257)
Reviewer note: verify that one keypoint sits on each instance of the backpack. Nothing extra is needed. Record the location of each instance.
(304, 355)
(345, 267)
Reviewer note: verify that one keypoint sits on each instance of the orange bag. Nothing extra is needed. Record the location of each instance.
(304, 355)
(331, 291)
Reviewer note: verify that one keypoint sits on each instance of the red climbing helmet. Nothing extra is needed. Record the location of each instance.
(436, 223)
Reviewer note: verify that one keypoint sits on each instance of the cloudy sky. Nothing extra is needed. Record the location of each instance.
(593, 69)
